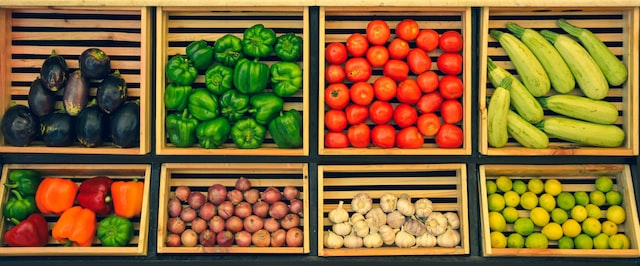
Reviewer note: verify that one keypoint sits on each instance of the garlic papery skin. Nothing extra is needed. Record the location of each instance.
(453, 219)
(353, 241)
(339, 214)
(405, 240)
(414, 227)
(361, 228)
(377, 216)
(395, 219)
(388, 202)
(436, 223)
(356, 217)
(449, 239)
(405, 206)
(388, 234)
(332, 240)
(361, 203)
(373, 240)
(342, 229)
(424, 207)
(426, 240)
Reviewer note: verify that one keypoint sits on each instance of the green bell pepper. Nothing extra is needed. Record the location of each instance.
(258, 41)
(248, 134)
(18, 207)
(200, 54)
(286, 129)
(181, 129)
(265, 107)
(234, 105)
(286, 78)
(212, 134)
(288, 47)
(115, 231)
(180, 70)
(203, 105)
(250, 77)
(176, 97)
(25, 181)
(218, 79)
(228, 50)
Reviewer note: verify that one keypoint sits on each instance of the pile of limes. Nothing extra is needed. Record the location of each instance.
(531, 213)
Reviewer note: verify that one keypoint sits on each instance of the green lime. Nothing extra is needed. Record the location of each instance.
(565, 242)
(559, 215)
(496, 202)
(614, 197)
(498, 240)
(536, 240)
(547, 202)
(515, 240)
(491, 187)
(583, 241)
(511, 198)
(604, 183)
(528, 200)
(497, 222)
(539, 216)
(519, 187)
(601, 241)
(579, 213)
(510, 214)
(619, 241)
(552, 231)
(504, 183)
(535, 185)
(609, 228)
(553, 187)
(523, 226)
(571, 228)
(593, 211)
(591, 226)
(597, 197)
(565, 201)
(582, 197)
(616, 214)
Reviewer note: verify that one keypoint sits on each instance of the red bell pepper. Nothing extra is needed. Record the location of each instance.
(94, 194)
(31, 232)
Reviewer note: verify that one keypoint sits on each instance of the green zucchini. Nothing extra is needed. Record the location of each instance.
(596, 111)
(525, 133)
(497, 134)
(583, 132)
(520, 98)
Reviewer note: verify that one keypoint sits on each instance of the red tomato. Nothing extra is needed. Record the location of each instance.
(451, 87)
(383, 136)
(359, 135)
(357, 44)
(361, 93)
(336, 53)
(450, 41)
(408, 29)
(384, 88)
(449, 136)
(428, 124)
(377, 55)
(335, 120)
(356, 114)
(451, 111)
(336, 140)
(357, 69)
(429, 102)
(428, 81)
(397, 70)
(378, 32)
(398, 48)
(409, 92)
(334, 74)
(380, 112)
(418, 61)
(427, 40)
(450, 64)
(409, 138)
(336, 96)
(405, 115)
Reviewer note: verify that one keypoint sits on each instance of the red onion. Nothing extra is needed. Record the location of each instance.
(235, 196)
(261, 209)
(290, 221)
(271, 195)
(253, 223)
(188, 214)
(176, 225)
(207, 211)
(271, 225)
(243, 210)
(290, 192)
(243, 184)
(207, 238)
(251, 196)
(225, 210)
(278, 210)
(196, 199)
(217, 194)
(225, 239)
(182, 193)
(243, 239)
(278, 238)
(189, 238)
(216, 224)
(199, 225)
(233, 224)
(261, 238)
(294, 237)
(173, 240)
(174, 207)
(296, 206)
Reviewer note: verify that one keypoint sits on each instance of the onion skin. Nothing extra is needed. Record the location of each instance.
(216, 224)
(296, 206)
(278, 210)
(207, 238)
(251, 196)
(261, 209)
(182, 193)
(234, 224)
(290, 192)
(243, 210)
(271, 225)
(207, 211)
(189, 238)
(278, 238)
(243, 239)
(271, 195)
(173, 240)
(225, 239)
(243, 184)
(176, 226)
(199, 225)
(226, 210)
(294, 237)
(217, 194)
(196, 199)
(188, 214)
(174, 208)
(290, 221)
(261, 238)
(253, 223)
(235, 196)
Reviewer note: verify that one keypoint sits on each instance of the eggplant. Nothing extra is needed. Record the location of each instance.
(91, 126)
(41, 100)
(95, 64)
(57, 130)
(112, 92)
(125, 125)
(54, 72)
(19, 126)
(76, 93)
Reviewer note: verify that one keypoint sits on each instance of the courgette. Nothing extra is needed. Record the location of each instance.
(521, 99)
(596, 111)
(559, 74)
(525, 133)
(582, 132)
(585, 70)
(613, 69)
(497, 134)
(529, 69)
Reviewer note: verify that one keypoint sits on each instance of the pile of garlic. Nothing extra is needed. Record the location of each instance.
(396, 222)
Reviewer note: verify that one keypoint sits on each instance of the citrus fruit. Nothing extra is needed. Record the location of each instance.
(496, 202)
(616, 214)
(583, 241)
(547, 202)
(579, 213)
(511, 198)
(604, 183)
(593, 211)
(552, 231)
(528, 200)
(510, 214)
(571, 228)
(497, 222)
(565, 242)
(619, 241)
(498, 240)
(535, 185)
(519, 187)
(601, 241)
(613, 197)
(491, 187)
(536, 240)
(581, 197)
(523, 226)
(504, 183)
(559, 215)
(565, 201)
(597, 197)
(553, 187)
(591, 226)
(609, 228)
(539, 216)
(515, 240)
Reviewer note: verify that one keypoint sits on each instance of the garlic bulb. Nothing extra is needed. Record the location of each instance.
(436, 223)
(449, 239)
(361, 203)
(339, 214)
(332, 240)
(414, 227)
(373, 240)
(353, 241)
(405, 206)
(377, 216)
(356, 217)
(395, 219)
(424, 207)
(388, 202)
(342, 229)
(453, 219)
(388, 234)
(426, 240)
(404, 239)
(361, 228)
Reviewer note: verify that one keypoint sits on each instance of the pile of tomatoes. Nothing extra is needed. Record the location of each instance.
(408, 102)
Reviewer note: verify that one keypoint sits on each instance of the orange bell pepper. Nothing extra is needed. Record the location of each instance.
(75, 227)
(127, 198)
(55, 195)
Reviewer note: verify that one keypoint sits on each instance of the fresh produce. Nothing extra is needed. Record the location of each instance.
(203, 105)
(583, 132)
(234, 105)
(57, 130)
(55, 195)
(250, 77)
(525, 133)
(176, 97)
(91, 126)
(24, 181)
(218, 79)
(115, 231)
(94, 194)
(54, 72)
(286, 78)
(17, 208)
(200, 54)
(286, 129)
(181, 129)
(583, 108)
(257, 41)
(213, 133)
(247, 133)
(112, 92)
(32, 232)
(75, 227)
(19, 126)
(497, 134)
(228, 50)
(127, 198)
(265, 107)
(41, 100)
(288, 47)
(125, 125)
(95, 64)
(180, 71)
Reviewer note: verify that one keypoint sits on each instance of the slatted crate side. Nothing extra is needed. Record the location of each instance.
(33, 33)
(78, 173)
(573, 178)
(617, 27)
(179, 26)
(199, 177)
(443, 184)
(337, 23)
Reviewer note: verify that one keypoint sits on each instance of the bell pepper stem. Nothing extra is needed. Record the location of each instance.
(17, 194)
(13, 185)
(68, 243)
(14, 220)
(107, 199)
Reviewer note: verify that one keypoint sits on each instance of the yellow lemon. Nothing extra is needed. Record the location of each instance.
(497, 222)
(535, 185)
(498, 240)
(523, 226)
(511, 198)
(565, 201)
(510, 214)
(491, 187)
(496, 202)
(515, 240)
(559, 215)
(581, 198)
(583, 241)
(604, 183)
(565, 242)
(579, 213)
(571, 228)
(616, 214)
(539, 216)
(619, 241)
(552, 231)
(591, 226)
(609, 228)
(593, 211)
(614, 197)
(536, 240)
(528, 200)
(597, 197)
(504, 183)
(601, 241)
(552, 186)
(547, 202)
(519, 187)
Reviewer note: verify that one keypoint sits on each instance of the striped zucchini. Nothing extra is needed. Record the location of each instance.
(525, 133)
(559, 74)
(497, 135)
(521, 99)
(583, 132)
(613, 69)
(585, 70)
(529, 69)
(596, 111)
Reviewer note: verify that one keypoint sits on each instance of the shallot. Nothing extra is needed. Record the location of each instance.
(271, 195)
(243, 239)
(290, 192)
(243, 184)
(182, 193)
(217, 193)
(189, 238)
(278, 238)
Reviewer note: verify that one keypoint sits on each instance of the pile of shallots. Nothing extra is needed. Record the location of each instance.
(396, 222)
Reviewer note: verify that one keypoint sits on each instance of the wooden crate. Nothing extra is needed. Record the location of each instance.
(337, 23)
(33, 32)
(573, 178)
(179, 26)
(444, 184)
(617, 27)
(78, 173)
(199, 177)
